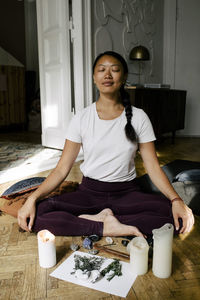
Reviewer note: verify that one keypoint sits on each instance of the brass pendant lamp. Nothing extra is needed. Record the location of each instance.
(139, 53)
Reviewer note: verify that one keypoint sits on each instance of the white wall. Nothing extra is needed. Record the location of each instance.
(121, 25)
(187, 66)
(181, 57)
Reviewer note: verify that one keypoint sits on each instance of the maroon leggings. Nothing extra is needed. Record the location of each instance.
(130, 206)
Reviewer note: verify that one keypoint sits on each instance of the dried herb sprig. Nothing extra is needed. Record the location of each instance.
(115, 266)
(87, 263)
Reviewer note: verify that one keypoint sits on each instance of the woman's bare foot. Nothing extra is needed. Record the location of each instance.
(100, 217)
(112, 227)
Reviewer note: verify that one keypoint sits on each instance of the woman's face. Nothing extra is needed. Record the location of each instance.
(109, 74)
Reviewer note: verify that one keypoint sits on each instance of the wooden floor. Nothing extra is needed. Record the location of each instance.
(22, 278)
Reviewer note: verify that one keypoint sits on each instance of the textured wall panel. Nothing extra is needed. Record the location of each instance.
(121, 25)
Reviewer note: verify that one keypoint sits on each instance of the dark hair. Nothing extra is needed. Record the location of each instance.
(125, 98)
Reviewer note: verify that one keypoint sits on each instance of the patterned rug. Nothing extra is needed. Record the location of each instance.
(23, 159)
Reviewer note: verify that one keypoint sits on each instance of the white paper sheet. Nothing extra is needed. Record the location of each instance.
(118, 286)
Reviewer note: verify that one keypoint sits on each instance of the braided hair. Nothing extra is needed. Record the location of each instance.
(125, 98)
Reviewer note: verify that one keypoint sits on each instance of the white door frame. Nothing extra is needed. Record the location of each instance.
(82, 52)
(54, 64)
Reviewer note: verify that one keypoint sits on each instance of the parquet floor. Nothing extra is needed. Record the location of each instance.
(21, 278)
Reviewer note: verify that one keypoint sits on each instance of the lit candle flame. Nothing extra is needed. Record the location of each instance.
(46, 236)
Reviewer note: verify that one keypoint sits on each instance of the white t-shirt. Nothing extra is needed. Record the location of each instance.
(108, 154)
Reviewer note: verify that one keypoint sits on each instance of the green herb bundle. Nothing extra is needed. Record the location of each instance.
(115, 266)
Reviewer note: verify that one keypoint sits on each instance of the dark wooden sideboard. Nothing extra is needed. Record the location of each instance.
(165, 108)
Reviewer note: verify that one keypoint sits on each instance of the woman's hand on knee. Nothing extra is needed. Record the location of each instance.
(180, 210)
(26, 216)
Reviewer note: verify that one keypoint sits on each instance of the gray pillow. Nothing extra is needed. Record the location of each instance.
(188, 175)
(189, 191)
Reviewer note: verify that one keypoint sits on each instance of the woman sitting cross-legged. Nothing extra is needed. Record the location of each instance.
(108, 201)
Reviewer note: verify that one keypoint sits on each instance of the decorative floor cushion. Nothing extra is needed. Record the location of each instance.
(185, 178)
(172, 170)
(16, 196)
(23, 186)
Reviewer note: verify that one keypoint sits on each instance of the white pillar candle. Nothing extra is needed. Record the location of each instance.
(162, 250)
(46, 249)
(138, 249)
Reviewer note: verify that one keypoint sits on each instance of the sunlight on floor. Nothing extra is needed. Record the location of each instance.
(45, 159)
